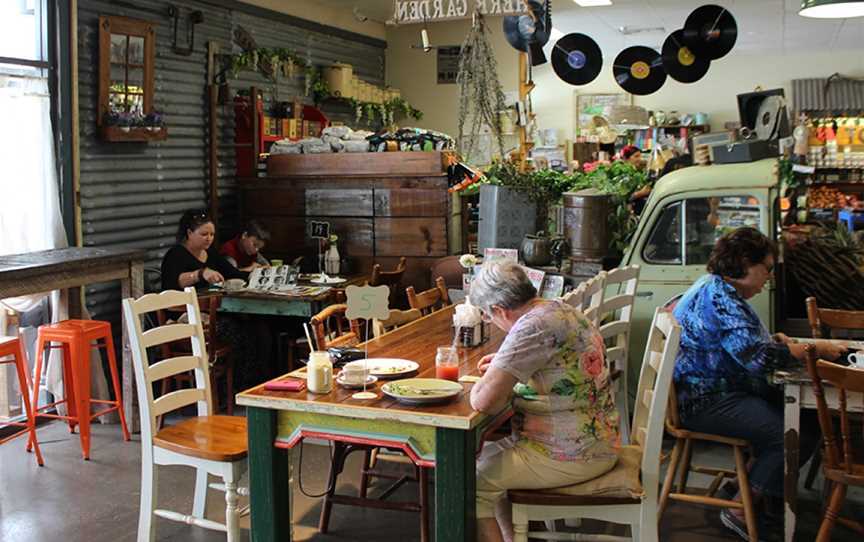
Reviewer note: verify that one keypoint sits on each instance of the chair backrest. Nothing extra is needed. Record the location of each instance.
(652, 397)
(835, 320)
(838, 456)
(388, 278)
(575, 297)
(397, 319)
(616, 313)
(330, 329)
(448, 268)
(592, 292)
(431, 300)
(146, 374)
(208, 307)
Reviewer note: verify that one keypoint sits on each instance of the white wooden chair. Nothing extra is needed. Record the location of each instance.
(615, 314)
(588, 296)
(628, 493)
(211, 444)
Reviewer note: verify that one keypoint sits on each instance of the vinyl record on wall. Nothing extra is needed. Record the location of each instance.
(577, 59)
(639, 70)
(529, 34)
(680, 62)
(710, 32)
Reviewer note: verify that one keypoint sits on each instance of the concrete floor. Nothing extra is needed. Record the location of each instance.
(97, 501)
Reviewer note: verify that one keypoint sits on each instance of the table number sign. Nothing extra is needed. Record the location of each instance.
(319, 230)
(366, 303)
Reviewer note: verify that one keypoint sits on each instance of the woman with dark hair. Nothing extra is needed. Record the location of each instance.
(193, 261)
(726, 356)
(243, 250)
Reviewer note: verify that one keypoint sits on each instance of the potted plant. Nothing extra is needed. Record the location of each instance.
(154, 121)
(125, 121)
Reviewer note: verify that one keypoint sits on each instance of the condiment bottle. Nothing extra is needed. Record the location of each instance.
(319, 373)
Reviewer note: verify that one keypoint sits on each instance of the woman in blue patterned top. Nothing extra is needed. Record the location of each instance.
(726, 357)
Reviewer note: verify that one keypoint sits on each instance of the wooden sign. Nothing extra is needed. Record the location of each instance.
(422, 11)
(319, 230)
(367, 302)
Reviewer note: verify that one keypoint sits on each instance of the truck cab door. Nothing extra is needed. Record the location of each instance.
(672, 248)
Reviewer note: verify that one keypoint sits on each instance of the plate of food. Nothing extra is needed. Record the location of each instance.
(327, 280)
(420, 391)
(388, 367)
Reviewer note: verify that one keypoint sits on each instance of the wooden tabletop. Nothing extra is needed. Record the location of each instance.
(14, 266)
(416, 341)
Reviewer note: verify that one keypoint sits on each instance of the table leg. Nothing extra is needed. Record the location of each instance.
(133, 287)
(791, 431)
(269, 487)
(455, 485)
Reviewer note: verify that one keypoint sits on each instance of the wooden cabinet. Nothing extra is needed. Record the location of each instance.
(395, 207)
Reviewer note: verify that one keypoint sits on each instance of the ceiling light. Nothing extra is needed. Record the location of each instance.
(832, 9)
(593, 3)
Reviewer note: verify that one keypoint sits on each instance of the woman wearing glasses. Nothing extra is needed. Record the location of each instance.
(726, 358)
(193, 261)
(565, 430)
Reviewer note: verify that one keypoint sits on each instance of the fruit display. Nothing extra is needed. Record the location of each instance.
(825, 197)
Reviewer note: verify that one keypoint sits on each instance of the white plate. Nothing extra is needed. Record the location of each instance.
(419, 391)
(388, 367)
(370, 379)
(328, 280)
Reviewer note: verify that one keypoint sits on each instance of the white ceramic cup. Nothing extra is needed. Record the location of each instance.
(354, 375)
(234, 284)
(857, 358)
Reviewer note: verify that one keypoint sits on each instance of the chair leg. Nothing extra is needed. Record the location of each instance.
(685, 466)
(69, 387)
(115, 381)
(229, 386)
(520, 524)
(815, 463)
(424, 503)
(838, 495)
(146, 531)
(327, 504)
(364, 472)
(82, 396)
(232, 513)
(746, 497)
(199, 504)
(670, 476)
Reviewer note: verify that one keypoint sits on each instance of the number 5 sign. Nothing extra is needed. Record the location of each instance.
(368, 302)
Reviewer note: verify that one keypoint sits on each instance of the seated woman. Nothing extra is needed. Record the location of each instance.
(243, 250)
(725, 359)
(568, 431)
(193, 261)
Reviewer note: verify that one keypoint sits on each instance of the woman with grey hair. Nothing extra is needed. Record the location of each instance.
(552, 366)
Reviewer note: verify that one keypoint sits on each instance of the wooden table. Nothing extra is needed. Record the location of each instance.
(269, 304)
(798, 394)
(72, 268)
(444, 436)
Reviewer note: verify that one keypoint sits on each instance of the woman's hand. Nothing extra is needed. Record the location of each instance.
(211, 276)
(484, 363)
(828, 350)
(782, 338)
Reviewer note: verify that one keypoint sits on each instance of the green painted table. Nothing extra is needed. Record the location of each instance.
(269, 304)
(445, 436)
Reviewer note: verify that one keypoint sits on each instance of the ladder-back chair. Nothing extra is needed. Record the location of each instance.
(430, 300)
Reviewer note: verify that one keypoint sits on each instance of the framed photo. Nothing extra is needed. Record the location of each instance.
(589, 106)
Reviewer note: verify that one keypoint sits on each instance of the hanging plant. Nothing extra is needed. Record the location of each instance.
(480, 92)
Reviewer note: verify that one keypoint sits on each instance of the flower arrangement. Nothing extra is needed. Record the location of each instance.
(468, 261)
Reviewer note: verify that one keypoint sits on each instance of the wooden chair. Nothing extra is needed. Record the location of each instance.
(430, 300)
(220, 352)
(680, 465)
(388, 278)
(330, 330)
(838, 324)
(588, 297)
(397, 319)
(628, 493)
(211, 444)
(615, 314)
(840, 468)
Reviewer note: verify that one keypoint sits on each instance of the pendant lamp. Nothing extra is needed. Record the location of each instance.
(832, 9)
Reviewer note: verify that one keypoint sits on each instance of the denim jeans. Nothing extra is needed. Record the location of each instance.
(760, 421)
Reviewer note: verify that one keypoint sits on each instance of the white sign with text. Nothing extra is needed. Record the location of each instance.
(419, 11)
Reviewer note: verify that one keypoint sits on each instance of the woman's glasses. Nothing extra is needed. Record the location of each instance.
(485, 316)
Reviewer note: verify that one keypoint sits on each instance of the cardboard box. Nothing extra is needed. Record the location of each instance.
(291, 128)
(272, 126)
(311, 128)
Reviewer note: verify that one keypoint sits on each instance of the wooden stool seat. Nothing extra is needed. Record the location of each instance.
(216, 438)
(76, 338)
(12, 347)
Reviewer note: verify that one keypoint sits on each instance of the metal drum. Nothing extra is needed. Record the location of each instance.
(586, 215)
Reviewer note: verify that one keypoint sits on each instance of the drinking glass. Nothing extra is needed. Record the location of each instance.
(447, 363)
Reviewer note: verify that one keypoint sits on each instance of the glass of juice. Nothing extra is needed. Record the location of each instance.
(447, 363)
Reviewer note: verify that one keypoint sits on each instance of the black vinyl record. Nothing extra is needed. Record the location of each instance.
(680, 62)
(522, 30)
(639, 70)
(710, 32)
(577, 59)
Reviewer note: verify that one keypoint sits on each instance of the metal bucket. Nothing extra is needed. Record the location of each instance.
(586, 215)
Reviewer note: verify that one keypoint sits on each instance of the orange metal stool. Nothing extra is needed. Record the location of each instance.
(11, 346)
(75, 338)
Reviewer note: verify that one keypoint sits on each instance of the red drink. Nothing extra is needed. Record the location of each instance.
(447, 372)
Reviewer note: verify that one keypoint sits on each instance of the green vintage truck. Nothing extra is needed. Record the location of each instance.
(686, 212)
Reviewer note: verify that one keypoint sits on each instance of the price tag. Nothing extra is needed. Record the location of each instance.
(319, 230)
(367, 302)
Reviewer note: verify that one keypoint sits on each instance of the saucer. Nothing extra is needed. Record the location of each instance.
(370, 379)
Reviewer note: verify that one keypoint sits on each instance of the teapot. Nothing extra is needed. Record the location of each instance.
(536, 250)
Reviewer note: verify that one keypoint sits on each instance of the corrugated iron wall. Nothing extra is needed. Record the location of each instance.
(132, 194)
(824, 96)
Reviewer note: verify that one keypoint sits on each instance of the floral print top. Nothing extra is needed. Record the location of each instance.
(564, 403)
(724, 347)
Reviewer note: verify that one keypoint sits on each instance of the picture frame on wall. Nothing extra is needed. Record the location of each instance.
(588, 106)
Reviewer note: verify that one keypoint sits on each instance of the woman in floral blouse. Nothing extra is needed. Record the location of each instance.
(566, 427)
(725, 360)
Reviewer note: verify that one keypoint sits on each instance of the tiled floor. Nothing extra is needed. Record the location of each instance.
(72, 500)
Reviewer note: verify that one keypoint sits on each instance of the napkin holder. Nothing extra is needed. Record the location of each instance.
(470, 336)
